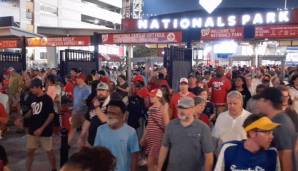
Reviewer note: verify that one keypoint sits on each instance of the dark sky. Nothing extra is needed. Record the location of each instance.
(169, 6)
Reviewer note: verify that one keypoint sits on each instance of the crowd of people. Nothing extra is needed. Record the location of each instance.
(220, 118)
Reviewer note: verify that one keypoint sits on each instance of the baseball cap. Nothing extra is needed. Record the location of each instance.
(183, 80)
(186, 102)
(138, 78)
(102, 86)
(263, 123)
(155, 93)
(36, 83)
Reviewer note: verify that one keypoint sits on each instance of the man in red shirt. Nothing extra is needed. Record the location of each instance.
(183, 87)
(220, 86)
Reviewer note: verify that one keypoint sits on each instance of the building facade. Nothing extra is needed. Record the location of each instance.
(30, 14)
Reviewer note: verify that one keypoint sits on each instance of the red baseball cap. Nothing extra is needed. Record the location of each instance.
(138, 78)
(155, 93)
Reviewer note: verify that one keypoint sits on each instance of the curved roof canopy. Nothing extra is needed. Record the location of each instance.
(160, 7)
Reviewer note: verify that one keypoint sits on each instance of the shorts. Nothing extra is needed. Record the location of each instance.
(34, 142)
(77, 121)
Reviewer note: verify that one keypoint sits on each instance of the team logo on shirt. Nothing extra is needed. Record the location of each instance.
(257, 168)
(217, 85)
(36, 107)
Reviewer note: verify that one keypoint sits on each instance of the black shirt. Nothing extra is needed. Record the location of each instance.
(122, 93)
(41, 108)
(209, 109)
(196, 90)
(95, 122)
(246, 96)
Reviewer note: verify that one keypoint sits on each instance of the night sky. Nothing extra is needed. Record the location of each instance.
(157, 7)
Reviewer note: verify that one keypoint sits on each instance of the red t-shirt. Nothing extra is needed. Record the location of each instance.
(219, 90)
(143, 92)
(174, 101)
(3, 115)
(204, 118)
(105, 79)
(69, 88)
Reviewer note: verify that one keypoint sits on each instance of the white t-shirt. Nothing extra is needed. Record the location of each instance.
(228, 129)
(294, 96)
(4, 102)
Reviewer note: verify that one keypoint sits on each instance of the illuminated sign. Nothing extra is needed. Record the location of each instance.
(8, 44)
(210, 5)
(59, 41)
(132, 38)
(277, 31)
(210, 21)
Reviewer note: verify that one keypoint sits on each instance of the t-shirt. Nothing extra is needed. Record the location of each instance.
(209, 109)
(233, 157)
(80, 96)
(122, 93)
(228, 128)
(195, 90)
(220, 88)
(94, 120)
(284, 136)
(3, 115)
(122, 142)
(41, 108)
(187, 145)
(69, 88)
(4, 100)
(174, 102)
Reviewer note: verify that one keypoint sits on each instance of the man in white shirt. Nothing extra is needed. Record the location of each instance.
(228, 126)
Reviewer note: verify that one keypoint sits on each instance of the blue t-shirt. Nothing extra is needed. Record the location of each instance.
(234, 157)
(80, 96)
(122, 142)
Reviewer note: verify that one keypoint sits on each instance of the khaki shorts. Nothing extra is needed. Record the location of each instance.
(77, 121)
(34, 142)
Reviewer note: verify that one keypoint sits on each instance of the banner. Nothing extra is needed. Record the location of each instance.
(59, 41)
(8, 44)
(224, 33)
(281, 31)
(134, 38)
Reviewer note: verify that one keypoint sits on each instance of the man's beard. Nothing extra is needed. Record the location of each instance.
(101, 98)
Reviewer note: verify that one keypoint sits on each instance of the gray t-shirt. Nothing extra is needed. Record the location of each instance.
(284, 135)
(187, 145)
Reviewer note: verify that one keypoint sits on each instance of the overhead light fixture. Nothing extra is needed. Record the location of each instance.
(96, 21)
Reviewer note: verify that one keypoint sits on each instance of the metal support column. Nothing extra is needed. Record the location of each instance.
(23, 53)
(96, 42)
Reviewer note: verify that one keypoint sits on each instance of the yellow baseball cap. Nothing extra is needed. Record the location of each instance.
(264, 123)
